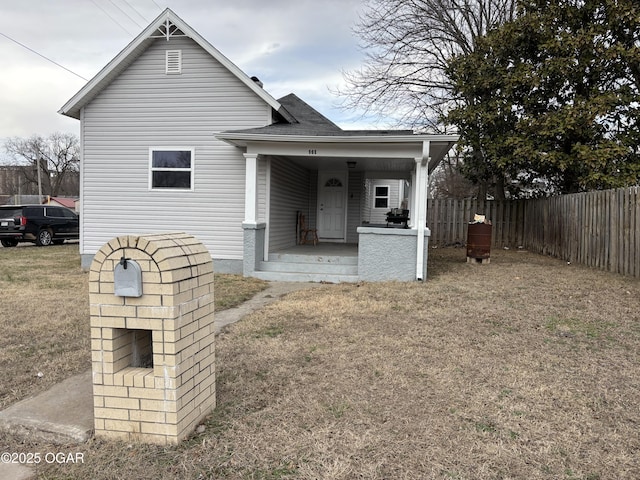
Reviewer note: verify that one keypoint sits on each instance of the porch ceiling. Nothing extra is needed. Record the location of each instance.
(362, 164)
(384, 153)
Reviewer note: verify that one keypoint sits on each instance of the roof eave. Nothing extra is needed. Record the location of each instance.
(242, 139)
(73, 107)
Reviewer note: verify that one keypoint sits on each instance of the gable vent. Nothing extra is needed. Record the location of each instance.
(174, 61)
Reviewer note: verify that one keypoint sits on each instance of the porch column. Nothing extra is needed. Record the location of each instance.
(251, 189)
(414, 199)
(254, 232)
(421, 207)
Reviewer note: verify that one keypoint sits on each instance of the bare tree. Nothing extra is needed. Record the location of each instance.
(408, 44)
(12, 181)
(447, 181)
(57, 156)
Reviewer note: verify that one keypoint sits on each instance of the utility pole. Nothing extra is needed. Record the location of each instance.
(39, 182)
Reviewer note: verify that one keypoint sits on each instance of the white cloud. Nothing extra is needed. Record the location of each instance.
(30, 104)
(298, 46)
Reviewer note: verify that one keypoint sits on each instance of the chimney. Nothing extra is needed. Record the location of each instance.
(257, 80)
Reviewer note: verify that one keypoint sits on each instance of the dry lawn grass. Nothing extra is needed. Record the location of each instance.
(526, 368)
(44, 316)
(44, 312)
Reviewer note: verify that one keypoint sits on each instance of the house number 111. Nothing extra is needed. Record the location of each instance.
(313, 151)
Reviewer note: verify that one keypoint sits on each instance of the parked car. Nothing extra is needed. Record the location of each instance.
(40, 224)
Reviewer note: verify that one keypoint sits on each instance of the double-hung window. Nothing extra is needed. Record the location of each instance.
(381, 197)
(171, 168)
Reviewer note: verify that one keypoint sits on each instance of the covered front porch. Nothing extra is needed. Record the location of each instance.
(383, 254)
(343, 185)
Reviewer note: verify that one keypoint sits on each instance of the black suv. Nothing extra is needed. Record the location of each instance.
(42, 224)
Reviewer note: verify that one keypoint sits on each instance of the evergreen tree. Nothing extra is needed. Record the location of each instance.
(554, 95)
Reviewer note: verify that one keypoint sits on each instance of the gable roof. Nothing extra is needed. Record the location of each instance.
(165, 25)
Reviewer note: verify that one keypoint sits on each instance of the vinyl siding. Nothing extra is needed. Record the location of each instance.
(290, 193)
(145, 108)
(356, 185)
(313, 199)
(378, 215)
(262, 189)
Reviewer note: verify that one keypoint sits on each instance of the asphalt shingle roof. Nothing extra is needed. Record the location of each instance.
(310, 122)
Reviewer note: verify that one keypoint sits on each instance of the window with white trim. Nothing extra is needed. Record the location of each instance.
(171, 168)
(381, 196)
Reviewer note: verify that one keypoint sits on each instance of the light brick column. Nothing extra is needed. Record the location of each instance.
(153, 356)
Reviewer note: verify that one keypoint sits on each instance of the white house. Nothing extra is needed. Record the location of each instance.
(175, 137)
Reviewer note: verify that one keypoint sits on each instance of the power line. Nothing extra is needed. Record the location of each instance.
(125, 13)
(106, 13)
(135, 10)
(40, 55)
(109, 15)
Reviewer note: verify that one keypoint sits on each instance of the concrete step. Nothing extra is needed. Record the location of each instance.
(305, 277)
(302, 267)
(313, 259)
(309, 267)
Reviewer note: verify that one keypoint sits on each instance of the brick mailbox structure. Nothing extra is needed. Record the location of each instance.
(152, 337)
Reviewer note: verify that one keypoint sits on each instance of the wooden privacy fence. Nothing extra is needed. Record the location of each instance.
(448, 218)
(599, 229)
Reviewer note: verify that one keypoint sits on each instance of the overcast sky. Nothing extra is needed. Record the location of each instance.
(299, 46)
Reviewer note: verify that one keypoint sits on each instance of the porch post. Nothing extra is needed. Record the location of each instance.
(421, 207)
(251, 189)
(254, 232)
(414, 199)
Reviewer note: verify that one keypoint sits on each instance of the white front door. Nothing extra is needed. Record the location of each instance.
(332, 194)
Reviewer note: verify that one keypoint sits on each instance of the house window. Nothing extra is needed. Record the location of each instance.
(381, 197)
(171, 168)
